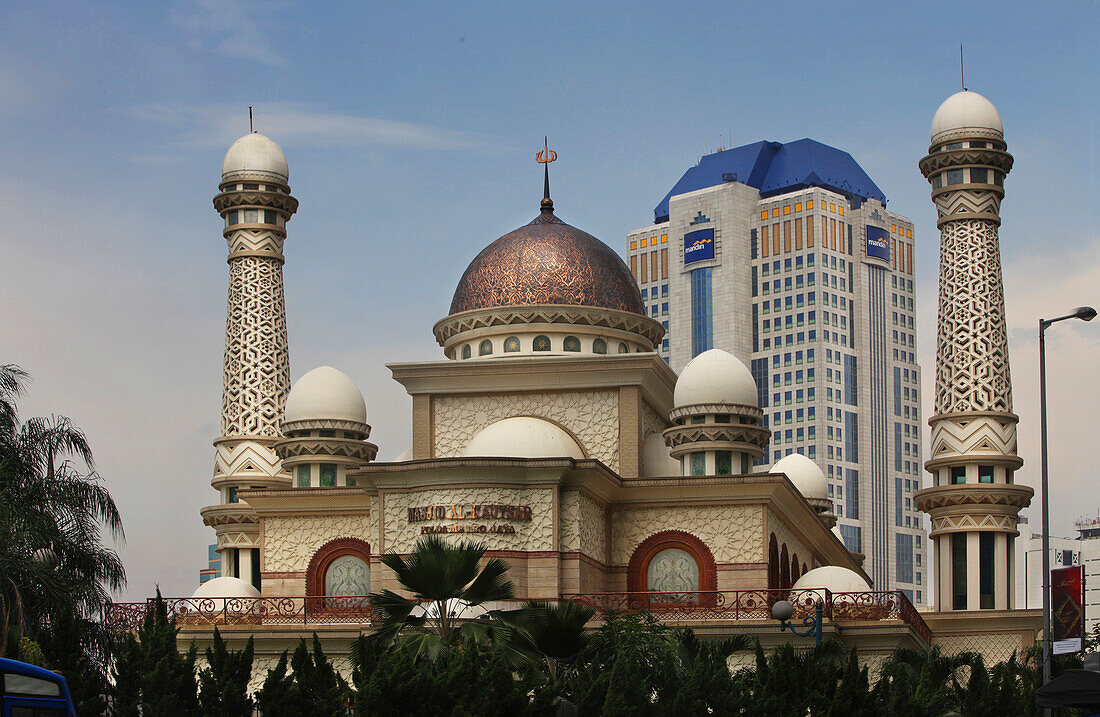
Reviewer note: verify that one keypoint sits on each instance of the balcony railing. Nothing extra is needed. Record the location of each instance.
(756, 605)
(353, 609)
(680, 606)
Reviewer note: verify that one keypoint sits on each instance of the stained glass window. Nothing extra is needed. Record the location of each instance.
(347, 575)
(672, 570)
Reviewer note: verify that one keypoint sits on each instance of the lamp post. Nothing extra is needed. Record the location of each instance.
(1085, 313)
(782, 611)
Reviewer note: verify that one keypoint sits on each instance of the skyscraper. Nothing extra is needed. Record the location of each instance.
(786, 256)
(255, 202)
(973, 502)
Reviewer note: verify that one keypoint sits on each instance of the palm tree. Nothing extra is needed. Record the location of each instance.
(447, 586)
(53, 507)
(552, 636)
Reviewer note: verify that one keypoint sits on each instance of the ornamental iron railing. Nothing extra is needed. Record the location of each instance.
(672, 606)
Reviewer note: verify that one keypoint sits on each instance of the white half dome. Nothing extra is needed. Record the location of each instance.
(325, 394)
(656, 462)
(715, 376)
(255, 154)
(835, 530)
(833, 578)
(966, 110)
(523, 437)
(805, 475)
(459, 609)
(226, 587)
(406, 455)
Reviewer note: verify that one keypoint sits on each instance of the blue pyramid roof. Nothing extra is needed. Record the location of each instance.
(776, 168)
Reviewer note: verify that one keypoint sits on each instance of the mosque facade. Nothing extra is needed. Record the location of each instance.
(552, 431)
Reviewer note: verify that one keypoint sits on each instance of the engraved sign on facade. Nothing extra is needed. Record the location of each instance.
(469, 511)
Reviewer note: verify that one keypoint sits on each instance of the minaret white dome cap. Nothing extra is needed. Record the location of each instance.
(255, 155)
(226, 587)
(805, 474)
(325, 394)
(657, 462)
(833, 578)
(523, 437)
(715, 376)
(966, 110)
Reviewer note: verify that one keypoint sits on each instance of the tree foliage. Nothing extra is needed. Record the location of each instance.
(223, 683)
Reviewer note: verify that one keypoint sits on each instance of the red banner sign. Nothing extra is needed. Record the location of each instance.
(1066, 602)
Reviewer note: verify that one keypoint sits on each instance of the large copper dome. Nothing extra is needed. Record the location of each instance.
(547, 262)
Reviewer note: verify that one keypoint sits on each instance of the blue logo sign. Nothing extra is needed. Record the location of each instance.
(878, 243)
(698, 245)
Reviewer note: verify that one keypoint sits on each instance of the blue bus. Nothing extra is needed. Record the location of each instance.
(30, 691)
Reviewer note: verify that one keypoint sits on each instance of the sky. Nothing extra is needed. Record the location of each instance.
(411, 131)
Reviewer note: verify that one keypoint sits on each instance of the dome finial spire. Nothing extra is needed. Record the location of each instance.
(545, 157)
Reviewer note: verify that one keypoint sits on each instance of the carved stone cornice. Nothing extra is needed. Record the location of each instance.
(974, 497)
(254, 198)
(447, 329)
(740, 437)
(326, 424)
(298, 450)
(734, 409)
(229, 514)
(966, 157)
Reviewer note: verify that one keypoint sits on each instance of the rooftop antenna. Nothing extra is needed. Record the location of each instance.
(962, 71)
(250, 130)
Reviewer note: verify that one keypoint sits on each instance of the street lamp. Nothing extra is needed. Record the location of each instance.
(782, 611)
(1085, 313)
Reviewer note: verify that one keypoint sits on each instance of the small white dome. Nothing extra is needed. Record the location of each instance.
(715, 376)
(226, 588)
(833, 578)
(255, 154)
(656, 462)
(325, 393)
(805, 475)
(835, 530)
(459, 609)
(966, 110)
(406, 455)
(523, 437)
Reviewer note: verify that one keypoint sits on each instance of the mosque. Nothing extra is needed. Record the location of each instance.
(553, 432)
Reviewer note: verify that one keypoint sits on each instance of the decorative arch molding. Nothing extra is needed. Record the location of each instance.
(773, 563)
(693, 546)
(315, 573)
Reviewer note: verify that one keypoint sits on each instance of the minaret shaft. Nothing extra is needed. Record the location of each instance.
(255, 204)
(973, 502)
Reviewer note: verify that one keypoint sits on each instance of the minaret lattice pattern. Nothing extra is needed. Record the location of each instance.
(973, 502)
(255, 205)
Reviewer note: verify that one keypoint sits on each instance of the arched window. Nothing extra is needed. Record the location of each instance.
(485, 348)
(795, 575)
(622, 348)
(338, 576)
(511, 345)
(571, 343)
(784, 568)
(541, 343)
(676, 564)
(347, 576)
(773, 563)
(672, 570)
(599, 346)
(466, 351)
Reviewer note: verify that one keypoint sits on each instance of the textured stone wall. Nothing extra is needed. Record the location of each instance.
(290, 542)
(732, 532)
(593, 529)
(592, 416)
(537, 534)
(994, 647)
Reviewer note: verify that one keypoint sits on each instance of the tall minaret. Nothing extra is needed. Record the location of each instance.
(973, 503)
(255, 204)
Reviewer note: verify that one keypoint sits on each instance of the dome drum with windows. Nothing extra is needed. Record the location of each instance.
(325, 430)
(546, 289)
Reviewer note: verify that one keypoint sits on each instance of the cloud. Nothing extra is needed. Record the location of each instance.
(231, 28)
(300, 125)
